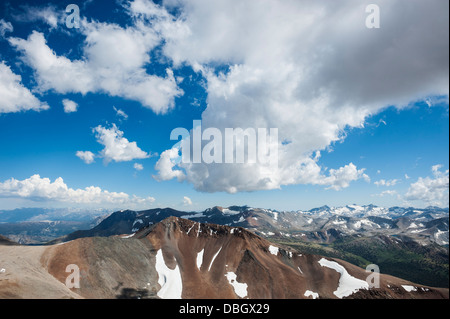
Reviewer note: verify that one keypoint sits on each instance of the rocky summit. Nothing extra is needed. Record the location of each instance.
(179, 258)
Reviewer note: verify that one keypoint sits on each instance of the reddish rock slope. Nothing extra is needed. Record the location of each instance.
(178, 258)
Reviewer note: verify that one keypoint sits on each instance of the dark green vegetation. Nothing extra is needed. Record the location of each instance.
(400, 257)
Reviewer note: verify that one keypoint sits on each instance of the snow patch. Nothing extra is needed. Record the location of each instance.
(169, 279)
(273, 250)
(347, 283)
(58, 244)
(239, 288)
(438, 234)
(409, 288)
(414, 225)
(309, 293)
(189, 230)
(200, 258)
(138, 221)
(364, 221)
(212, 260)
(241, 220)
(199, 230)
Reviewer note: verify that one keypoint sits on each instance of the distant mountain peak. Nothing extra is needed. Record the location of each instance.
(181, 258)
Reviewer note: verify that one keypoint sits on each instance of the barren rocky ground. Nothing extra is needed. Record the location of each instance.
(179, 258)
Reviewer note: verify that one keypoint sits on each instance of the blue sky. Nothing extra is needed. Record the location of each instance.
(366, 114)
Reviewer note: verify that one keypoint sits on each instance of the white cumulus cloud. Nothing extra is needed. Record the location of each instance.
(38, 188)
(301, 67)
(341, 178)
(114, 60)
(431, 190)
(86, 156)
(14, 96)
(69, 106)
(310, 68)
(165, 166)
(53, 72)
(116, 147)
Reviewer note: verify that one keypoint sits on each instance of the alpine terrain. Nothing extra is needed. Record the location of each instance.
(180, 258)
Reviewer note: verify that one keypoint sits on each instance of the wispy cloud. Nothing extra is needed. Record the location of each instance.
(387, 193)
(5, 27)
(121, 114)
(48, 14)
(388, 183)
(187, 201)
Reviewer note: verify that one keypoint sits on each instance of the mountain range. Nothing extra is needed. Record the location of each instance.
(180, 258)
(408, 243)
(40, 225)
(323, 224)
